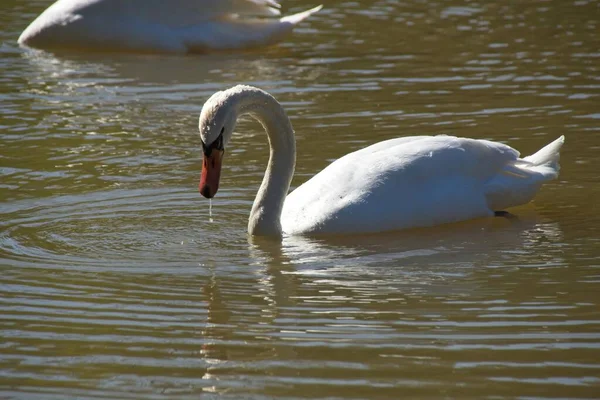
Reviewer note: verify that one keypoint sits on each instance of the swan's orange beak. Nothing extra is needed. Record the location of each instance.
(211, 173)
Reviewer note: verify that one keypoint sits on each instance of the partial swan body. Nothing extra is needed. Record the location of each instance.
(396, 184)
(160, 26)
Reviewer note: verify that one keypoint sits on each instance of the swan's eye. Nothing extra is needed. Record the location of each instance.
(217, 144)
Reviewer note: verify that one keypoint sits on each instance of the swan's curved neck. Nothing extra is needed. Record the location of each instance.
(265, 217)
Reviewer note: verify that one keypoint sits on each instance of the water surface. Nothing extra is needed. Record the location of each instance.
(117, 283)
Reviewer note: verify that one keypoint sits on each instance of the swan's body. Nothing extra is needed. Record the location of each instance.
(163, 26)
(396, 184)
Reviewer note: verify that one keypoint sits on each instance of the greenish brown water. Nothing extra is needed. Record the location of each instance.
(116, 284)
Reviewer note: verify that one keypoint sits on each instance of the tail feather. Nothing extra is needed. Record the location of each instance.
(546, 160)
(549, 155)
(294, 19)
(519, 181)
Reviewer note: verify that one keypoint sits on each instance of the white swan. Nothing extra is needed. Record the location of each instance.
(160, 26)
(395, 184)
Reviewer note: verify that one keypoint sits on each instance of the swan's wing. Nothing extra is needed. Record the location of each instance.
(232, 31)
(189, 12)
(399, 183)
(202, 25)
(180, 13)
(263, 8)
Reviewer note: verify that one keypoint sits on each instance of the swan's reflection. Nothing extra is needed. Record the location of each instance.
(275, 272)
(207, 72)
(301, 281)
(420, 256)
(218, 316)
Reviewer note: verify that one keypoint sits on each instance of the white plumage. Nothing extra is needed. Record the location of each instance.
(400, 183)
(164, 26)
(415, 182)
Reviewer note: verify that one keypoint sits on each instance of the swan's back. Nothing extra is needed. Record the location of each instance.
(411, 182)
(158, 25)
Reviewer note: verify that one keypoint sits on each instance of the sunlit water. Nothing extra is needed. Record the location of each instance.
(118, 282)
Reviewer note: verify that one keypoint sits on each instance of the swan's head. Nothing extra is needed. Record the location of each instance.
(217, 122)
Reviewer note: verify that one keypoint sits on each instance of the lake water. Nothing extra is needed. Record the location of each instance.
(115, 281)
